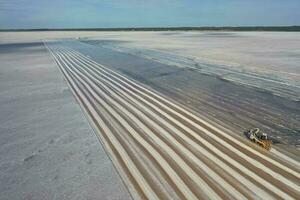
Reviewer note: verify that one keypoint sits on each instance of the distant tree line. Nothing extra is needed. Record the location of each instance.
(208, 28)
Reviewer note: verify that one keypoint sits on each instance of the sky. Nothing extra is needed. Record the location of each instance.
(146, 13)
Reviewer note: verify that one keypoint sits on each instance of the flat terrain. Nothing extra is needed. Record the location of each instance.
(170, 108)
(47, 148)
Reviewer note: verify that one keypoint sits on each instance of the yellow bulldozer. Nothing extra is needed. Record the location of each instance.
(259, 137)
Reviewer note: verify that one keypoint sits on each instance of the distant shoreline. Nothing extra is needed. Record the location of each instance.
(225, 28)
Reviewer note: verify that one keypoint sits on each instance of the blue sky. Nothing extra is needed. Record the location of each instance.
(146, 13)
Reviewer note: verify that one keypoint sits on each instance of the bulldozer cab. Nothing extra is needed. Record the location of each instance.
(262, 136)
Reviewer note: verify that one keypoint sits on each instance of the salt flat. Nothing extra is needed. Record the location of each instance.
(149, 97)
(47, 148)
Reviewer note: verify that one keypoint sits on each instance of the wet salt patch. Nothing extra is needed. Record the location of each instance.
(267, 82)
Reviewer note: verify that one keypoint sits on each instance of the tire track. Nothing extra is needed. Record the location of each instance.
(268, 185)
(269, 172)
(146, 134)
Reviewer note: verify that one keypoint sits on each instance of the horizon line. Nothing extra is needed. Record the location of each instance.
(172, 28)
